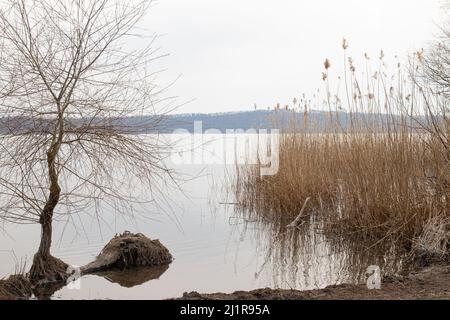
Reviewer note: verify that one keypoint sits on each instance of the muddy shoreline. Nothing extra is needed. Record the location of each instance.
(431, 283)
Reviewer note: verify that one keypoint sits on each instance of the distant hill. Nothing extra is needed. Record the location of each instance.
(221, 121)
(261, 119)
(258, 119)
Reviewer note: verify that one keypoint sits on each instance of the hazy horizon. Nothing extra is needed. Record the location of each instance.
(232, 54)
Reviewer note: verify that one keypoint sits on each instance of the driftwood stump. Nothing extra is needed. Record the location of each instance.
(129, 250)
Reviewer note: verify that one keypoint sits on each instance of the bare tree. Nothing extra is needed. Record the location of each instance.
(71, 92)
(436, 63)
(430, 73)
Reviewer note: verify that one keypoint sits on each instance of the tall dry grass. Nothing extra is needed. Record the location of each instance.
(379, 170)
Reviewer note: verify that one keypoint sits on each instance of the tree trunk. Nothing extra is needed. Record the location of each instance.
(45, 267)
(47, 213)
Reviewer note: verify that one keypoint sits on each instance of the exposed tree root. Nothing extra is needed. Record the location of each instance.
(130, 250)
(47, 270)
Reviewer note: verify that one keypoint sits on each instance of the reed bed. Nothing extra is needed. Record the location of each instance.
(377, 167)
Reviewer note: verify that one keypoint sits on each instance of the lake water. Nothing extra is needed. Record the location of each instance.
(216, 248)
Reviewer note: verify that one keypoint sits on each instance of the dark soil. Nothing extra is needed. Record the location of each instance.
(430, 283)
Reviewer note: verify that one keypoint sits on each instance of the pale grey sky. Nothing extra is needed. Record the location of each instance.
(234, 53)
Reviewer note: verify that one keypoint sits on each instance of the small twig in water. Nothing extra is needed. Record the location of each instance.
(299, 220)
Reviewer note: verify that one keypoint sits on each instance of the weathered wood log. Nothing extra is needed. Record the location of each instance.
(129, 250)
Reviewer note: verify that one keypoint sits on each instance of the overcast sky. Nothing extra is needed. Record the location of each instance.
(234, 53)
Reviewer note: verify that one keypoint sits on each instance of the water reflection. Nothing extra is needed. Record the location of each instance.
(133, 277)
(308, 258)
(215, 238)
(127, 278)
(47, 291)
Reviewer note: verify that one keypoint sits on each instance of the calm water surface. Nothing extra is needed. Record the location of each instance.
(216, 249)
